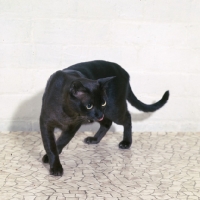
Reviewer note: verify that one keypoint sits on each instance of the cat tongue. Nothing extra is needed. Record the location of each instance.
(101, 119)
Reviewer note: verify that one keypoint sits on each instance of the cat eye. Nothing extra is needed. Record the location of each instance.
(89, 106)
(104, 104)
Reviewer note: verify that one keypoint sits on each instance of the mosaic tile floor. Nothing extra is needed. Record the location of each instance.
(158, 166)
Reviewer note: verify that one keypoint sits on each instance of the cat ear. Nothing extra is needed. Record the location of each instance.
(104, 81)
(77, 89)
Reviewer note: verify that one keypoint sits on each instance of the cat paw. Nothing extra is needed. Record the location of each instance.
(124, 145)
(91, 140)
(45, 159)
(56, 170)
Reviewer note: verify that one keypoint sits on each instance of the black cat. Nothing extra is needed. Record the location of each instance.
(84, 93)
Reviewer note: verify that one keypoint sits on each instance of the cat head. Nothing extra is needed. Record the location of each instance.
(88, 97)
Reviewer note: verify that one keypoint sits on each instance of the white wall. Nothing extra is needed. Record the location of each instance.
(156, 41)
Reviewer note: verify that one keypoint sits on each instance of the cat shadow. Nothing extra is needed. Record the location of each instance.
(26, 116)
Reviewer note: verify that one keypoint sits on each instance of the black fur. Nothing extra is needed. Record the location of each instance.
(85, 93)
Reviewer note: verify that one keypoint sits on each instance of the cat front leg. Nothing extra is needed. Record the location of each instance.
(66, 136)
(49, 143)
(104, 127)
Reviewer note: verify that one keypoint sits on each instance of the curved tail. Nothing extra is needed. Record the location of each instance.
(144, 107)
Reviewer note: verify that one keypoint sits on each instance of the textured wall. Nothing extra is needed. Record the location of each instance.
(156, 41)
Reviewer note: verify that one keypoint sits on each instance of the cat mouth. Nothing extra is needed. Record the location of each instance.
(101, 119)
(93, 120)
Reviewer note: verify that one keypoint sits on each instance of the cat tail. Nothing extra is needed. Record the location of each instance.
(132, 99)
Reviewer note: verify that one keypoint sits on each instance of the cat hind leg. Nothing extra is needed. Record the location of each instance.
(127, 137)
